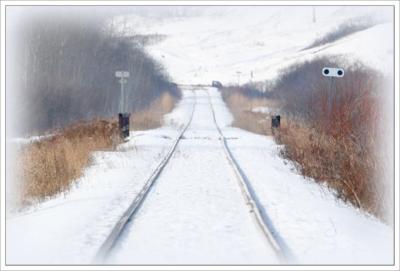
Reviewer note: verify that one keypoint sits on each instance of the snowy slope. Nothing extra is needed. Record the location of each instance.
(226, 40)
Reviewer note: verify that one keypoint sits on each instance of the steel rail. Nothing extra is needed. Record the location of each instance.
(265, 226)
(117, 230)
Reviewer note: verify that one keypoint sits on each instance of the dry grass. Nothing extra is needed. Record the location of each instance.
(49, 166)
(152, 117)
(241, 108)
(341, 163)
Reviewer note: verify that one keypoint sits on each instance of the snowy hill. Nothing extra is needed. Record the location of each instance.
(221, 41)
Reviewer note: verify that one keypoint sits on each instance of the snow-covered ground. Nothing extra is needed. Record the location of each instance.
(260, 40)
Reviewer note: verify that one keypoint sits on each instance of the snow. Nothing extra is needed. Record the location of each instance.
(31, 139)
(379, 52)
(260, 40)
(261, 109)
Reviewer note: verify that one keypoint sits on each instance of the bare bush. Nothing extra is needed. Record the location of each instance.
(297, 84)
(333, 130)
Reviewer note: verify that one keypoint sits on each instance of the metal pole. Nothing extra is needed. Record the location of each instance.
(334, 97)
(123, 94)
(330, 96)
(120, 97)
(122, 106)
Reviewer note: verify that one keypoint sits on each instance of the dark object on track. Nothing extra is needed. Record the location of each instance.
(276, 121)
(216, 84)
(123, 119)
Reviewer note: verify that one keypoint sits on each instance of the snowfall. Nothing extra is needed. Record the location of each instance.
(195, 213)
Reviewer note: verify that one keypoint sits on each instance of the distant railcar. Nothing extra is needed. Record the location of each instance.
(216, 84)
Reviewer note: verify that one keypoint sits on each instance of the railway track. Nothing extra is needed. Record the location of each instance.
(266, 228)
(259, 217)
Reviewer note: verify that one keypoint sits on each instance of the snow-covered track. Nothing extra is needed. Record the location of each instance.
(263, 223)
(116, 232)
(261, 220)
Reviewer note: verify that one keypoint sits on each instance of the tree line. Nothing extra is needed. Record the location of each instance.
(62, 69)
